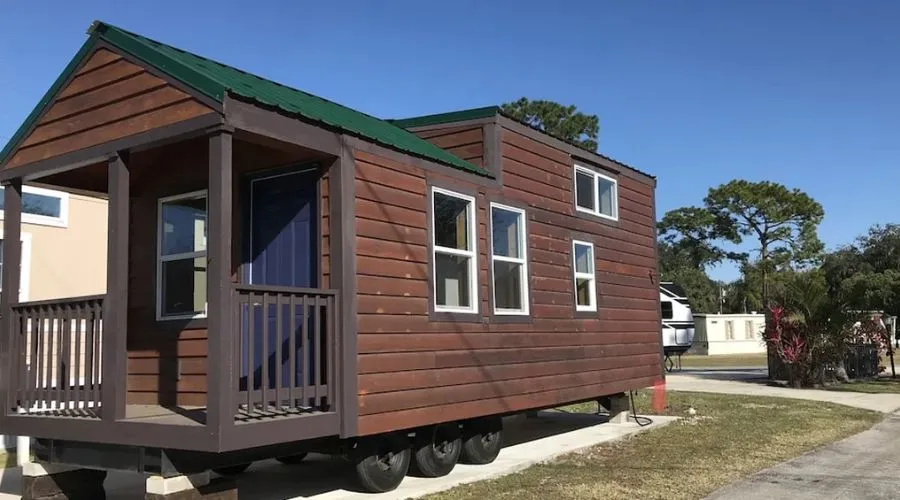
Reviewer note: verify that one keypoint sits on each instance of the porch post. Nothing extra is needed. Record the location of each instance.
(342, 252)
(12, 258)
(113, 386)
(220, 394)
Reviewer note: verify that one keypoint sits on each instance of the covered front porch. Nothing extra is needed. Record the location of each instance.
(221, 328)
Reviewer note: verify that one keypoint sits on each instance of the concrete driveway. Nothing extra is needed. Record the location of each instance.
(862, 467)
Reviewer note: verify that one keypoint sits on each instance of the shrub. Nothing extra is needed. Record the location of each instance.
(814, 347)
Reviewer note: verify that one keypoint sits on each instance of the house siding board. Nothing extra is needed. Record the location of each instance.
(466, 142)
(415, 370)
(158, 349)
(108, 98)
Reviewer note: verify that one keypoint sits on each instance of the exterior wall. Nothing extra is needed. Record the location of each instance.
(157, 350)
(66, 261)
(417, 369)
(108, 98)
(466, 142)
(711, 337)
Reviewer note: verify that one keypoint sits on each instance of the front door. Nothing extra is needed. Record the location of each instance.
(283, 253)
(282, 230)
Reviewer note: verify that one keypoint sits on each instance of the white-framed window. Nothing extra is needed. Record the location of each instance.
(584, 276)
(24, 268)
(750, 332)
(509, 263)
(729, 330)
(181, 256)
(455, 267)
(41, 206)
(596, 194)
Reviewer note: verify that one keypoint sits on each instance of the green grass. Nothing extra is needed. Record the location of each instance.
(730, 437)
(723, 360)
(881, 385)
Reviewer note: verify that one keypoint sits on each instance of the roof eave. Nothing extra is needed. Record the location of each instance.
(131, 45)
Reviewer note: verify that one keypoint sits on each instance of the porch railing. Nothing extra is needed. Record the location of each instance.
(58, 354)
(285, 358)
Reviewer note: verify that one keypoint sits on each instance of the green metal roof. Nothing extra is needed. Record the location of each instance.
(452, 116)
(214, 80)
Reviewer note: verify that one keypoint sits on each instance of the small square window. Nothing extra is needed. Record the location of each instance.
(596, 194)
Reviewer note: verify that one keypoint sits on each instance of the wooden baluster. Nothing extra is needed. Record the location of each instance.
(317, 351)
(264, 376)
(79, 316)
(292, 300)
(304, 351)
(251, 338)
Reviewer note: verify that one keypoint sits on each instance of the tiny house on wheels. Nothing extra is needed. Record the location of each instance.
(287, 275)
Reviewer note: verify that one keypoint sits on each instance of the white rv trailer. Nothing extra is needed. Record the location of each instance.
(677, 323)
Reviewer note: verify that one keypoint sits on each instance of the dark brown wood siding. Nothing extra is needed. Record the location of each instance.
(466, 142)
(156, 349)
(415, 371)
(107, 99)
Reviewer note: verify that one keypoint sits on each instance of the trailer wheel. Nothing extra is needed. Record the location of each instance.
(382, 462)
(482, 440)
(232, 470)
(437, 450)
(292, 459)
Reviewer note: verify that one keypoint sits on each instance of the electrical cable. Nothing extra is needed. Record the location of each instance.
(646, 420)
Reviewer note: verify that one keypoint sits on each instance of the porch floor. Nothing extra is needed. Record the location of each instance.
(179, 415)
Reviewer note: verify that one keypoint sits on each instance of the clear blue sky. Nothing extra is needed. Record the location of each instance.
(806, 92)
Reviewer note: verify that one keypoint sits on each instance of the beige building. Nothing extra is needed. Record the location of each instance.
(728, 334)
(63, 244)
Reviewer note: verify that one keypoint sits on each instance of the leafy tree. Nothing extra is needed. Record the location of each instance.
(692, 232)
(702, 292)
(782, 221)
(867, 273)
(563, 122)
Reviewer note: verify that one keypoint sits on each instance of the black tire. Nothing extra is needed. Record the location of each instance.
(231, 470)
(436, 451)
(482, 441)
(292, 459)
(382, 462)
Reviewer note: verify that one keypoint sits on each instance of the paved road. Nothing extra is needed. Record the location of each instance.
(861, 467)
(752, 382)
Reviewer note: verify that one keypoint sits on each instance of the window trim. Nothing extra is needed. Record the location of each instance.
(202, 193)
(595, 175)
(523, 260)
(592, 307)
(45, 220)
(471, 214)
